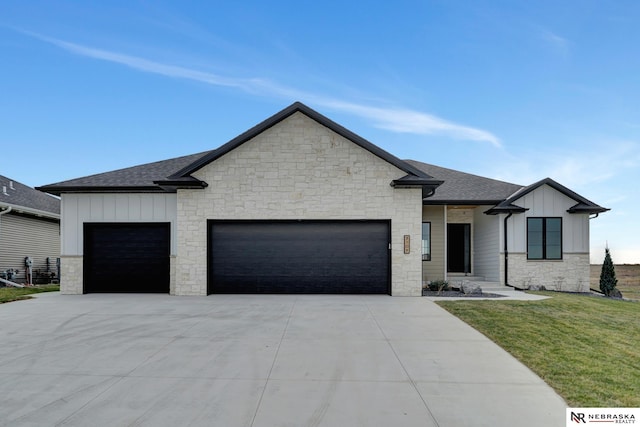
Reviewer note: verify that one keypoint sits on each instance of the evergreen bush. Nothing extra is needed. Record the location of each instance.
(608, 279)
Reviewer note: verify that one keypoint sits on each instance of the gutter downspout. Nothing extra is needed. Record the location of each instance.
(506, 252)
(446, 238)
(2, 212)
(6, 211)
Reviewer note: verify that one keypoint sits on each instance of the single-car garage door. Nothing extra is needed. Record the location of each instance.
(328, 257)
(126, 257)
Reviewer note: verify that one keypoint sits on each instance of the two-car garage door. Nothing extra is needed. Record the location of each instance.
(320, 257)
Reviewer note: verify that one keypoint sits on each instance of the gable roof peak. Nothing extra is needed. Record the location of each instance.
(284, 114)
(582, 205)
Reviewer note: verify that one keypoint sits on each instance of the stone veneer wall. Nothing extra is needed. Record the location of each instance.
(71, 274)
(172, 275)
(571, 274)
(298, 169)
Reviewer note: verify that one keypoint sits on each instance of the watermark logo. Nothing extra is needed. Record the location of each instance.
(602, 416)
(577, 417)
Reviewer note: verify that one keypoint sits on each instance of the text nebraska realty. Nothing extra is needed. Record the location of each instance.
(579, 417)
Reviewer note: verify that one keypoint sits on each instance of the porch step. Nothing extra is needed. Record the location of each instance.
(493, 287)
(487, 286)
(456, 280)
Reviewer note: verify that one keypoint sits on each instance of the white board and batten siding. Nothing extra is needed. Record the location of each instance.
(486, 244)
(548, 202)
(23, 236)
(78, 209)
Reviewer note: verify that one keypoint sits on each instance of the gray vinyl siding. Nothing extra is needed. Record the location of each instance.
(434, 269)
(22, 236)
(486, 245)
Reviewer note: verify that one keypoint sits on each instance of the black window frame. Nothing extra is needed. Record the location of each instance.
(427, 256)
(545, 245)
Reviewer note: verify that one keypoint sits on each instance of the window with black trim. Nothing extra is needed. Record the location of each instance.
(426, 241)
(544, 238)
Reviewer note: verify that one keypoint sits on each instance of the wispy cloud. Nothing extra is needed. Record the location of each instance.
(146, 65)
(558, 43)
(408, 121)
(582, 169)
(394, 119)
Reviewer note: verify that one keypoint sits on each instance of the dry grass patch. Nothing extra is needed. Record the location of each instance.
(587, 348)
(628, 276)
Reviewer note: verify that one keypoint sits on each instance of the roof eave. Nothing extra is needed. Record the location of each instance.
(506, 209)
(407, 182)
(30, 211)
(428, 185)
(578, 209)
(59, 190)
(460, 202)
(172, 185)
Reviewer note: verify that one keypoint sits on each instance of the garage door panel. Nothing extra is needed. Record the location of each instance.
(126, 257)
(299, 257)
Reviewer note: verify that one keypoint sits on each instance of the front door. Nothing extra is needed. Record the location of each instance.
(459, 248)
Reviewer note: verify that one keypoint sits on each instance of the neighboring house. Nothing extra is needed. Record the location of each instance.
(299, 204)
(29, 228)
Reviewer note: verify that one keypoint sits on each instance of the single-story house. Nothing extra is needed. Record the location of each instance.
(299, 204)
(29, 233)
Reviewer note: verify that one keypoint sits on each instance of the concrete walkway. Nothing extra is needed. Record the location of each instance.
(506, 295)
(229, 360)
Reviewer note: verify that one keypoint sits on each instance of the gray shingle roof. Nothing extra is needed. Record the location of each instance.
(452, 186)
(17, 194)
(460, 187)
(170, 174)
(135, 178)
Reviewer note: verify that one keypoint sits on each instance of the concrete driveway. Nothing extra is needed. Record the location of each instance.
(248, 360)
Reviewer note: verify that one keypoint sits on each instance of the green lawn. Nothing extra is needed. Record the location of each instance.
(15, 294)
(587, 348)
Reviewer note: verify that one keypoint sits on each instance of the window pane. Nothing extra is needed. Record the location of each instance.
(553, 227)
(554, 252)
(534, 238)
(534, 224)
(534, 252)
(554, 238)
(554, 224)
(426, 241)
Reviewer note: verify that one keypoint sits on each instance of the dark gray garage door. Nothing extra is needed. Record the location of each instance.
(126, 257)
(329, 257)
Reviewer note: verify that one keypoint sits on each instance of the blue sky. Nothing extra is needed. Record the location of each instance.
(513, 90)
